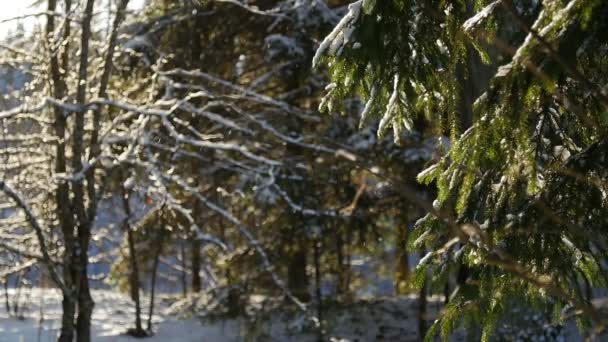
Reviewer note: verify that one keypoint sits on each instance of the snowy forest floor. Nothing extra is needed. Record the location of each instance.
(380, 320)
(383, 319)
(113, 315)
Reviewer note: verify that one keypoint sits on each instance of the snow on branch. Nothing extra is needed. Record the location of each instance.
(40, 14)
(341, 34)
(215, 145)
(187, 106)
(22, 109)
(472, 23)
(255, 10)
(17, 269)
(269, 128)
(251, 94)
(306, 211)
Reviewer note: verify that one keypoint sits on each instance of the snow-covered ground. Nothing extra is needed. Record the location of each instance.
(381, 319)
(113, 315)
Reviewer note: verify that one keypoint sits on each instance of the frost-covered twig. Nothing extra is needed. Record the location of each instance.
(306, 211)
(253, 95)
(33, 220)
(255, 10)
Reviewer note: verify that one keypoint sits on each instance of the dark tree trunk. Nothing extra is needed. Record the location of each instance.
(318, 294)
(196, 265)
(68, 306)
(234, 297)
(195, 250)
(7, 302)
(62, 196)
(158, 252)
(349, 274)
(342, 284)
(68, 303)
(134, 282)
(462, 276)
(297, 278)
(85, 302)
(184, 275)
(85, 307)
(343, 240)
(403, 268)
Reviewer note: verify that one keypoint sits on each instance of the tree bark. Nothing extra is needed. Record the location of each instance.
(318, 294)
(68, 307)
(403, 268)
(297, 278)
(342, 284)
(62, 197)
(134, 282)
(94, 148)
(85, 301)
(195, 250)
(158, 252)
(184, 276)
(85, 305)
(196, 265)
(7, 302)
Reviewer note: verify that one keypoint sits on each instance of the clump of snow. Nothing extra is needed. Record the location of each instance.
(280, 45)
(474, 21)
(341, 34)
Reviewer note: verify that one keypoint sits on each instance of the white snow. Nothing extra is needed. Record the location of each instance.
(113, 315)
(474, 21)
(368, 106)
(378, 319)
(340, 35)
(389, 114)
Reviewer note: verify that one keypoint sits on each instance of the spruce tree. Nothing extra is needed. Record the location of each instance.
(522, 194)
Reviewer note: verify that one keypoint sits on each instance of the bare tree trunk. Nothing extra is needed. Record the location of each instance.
(297, 278)
(134, 276)
(349, 238)
(94, 148)
(342, 284)
(62, 193)
(402, 274)
(196, 253)
(184, 276)
(233, 296)
(7, 302)
(87, 217)
(196, 265)
(158, 252)
(139, 331)
(68, 307)
(318, 294)
(85, 301)
(85, 304)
